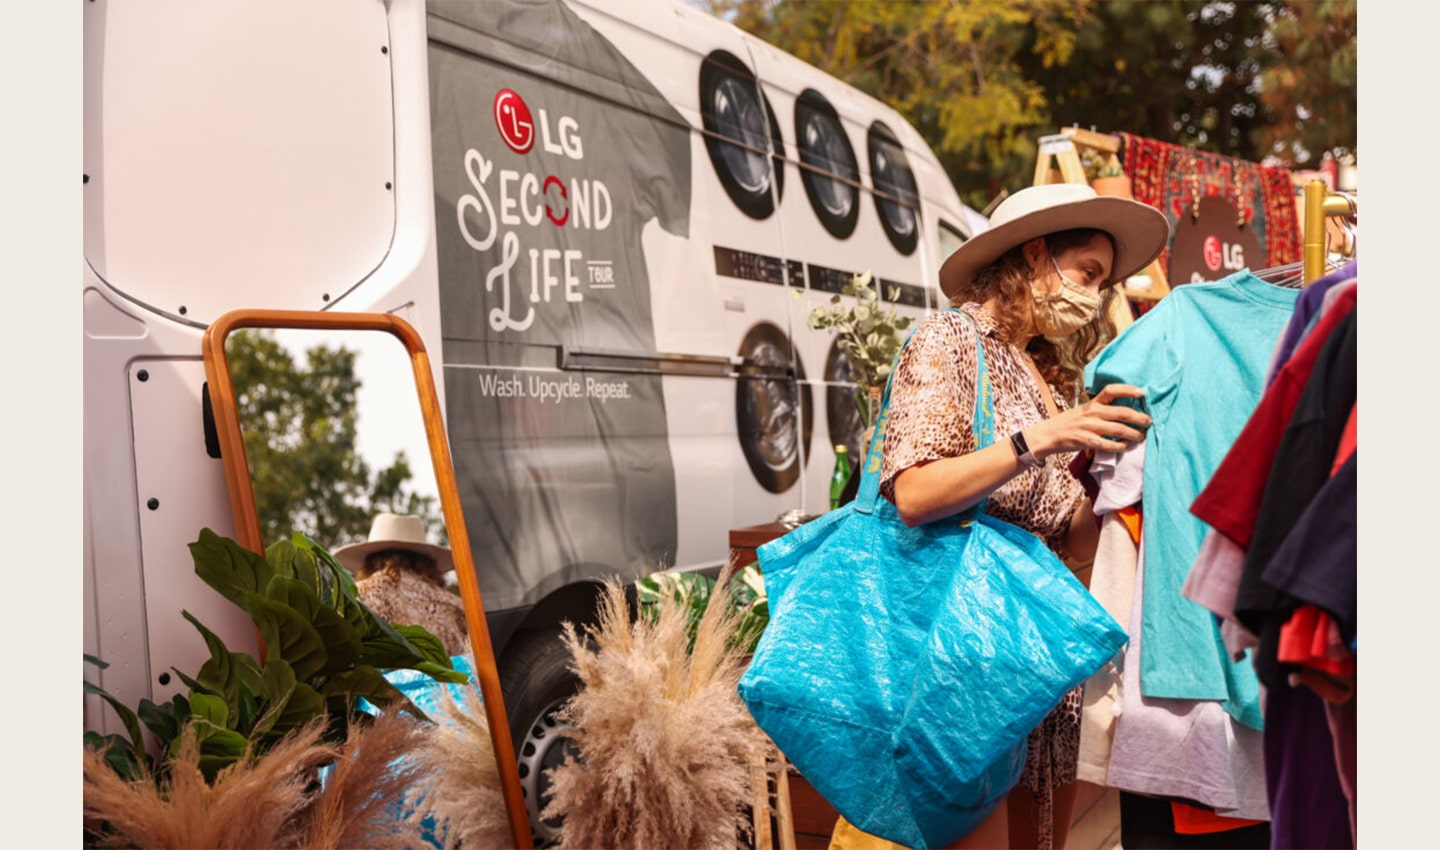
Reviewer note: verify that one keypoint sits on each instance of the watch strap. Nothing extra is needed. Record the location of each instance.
(1022, 450)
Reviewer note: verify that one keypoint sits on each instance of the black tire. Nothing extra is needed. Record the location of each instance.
(536, 679)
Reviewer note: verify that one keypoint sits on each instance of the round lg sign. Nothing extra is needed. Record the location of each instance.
(513, 119)
(1214, 254)
(1214, 245)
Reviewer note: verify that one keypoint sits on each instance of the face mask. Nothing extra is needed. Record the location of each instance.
(1059, 314)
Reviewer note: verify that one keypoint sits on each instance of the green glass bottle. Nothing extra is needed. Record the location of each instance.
(840, 476)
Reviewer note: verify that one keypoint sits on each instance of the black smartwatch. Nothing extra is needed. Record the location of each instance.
(1022, 450)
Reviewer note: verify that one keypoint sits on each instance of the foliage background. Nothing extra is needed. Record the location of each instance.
(299, 422)
(982, 80)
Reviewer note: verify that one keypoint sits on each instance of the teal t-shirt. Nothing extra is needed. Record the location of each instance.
(1200, 355)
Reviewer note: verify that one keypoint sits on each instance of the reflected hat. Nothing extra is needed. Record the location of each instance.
(394, 531)
(1140, 231)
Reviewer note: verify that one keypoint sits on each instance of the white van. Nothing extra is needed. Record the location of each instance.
(608, 220)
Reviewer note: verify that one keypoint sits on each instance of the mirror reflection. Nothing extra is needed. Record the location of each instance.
(332, 431)
(336, 446)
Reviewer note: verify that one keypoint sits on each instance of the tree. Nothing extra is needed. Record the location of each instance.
(299, 426)
(1245, 79)
(1311, 94)
(1172, 70)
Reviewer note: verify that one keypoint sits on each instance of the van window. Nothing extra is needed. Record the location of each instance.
(950, 239)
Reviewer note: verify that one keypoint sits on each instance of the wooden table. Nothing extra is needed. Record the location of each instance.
(744, 541)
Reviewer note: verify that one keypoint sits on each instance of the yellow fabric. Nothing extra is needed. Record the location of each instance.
(848, 837)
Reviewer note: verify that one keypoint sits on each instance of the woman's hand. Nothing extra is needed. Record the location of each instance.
(1098, 424)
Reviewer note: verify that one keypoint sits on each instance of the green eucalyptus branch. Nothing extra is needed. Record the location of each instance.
(869, 334)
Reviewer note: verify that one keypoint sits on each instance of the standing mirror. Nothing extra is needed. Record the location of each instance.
(324, 421)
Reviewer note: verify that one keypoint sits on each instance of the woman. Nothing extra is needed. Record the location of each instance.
(1041, 279)
(401, 578)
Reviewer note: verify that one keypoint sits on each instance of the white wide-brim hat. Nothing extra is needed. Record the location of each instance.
(394, 531)
(1140, 231)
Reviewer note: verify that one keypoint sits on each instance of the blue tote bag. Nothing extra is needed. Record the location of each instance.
(903, 668)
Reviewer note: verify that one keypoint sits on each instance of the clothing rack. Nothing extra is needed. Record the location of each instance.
(1320, 204)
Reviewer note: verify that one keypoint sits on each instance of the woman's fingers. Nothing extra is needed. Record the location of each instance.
(1110, 392)
(1120, 432)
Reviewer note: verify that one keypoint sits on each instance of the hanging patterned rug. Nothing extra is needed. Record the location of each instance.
(1235, 203)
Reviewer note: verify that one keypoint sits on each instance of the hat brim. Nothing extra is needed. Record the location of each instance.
(1140, 233)
(352, 557)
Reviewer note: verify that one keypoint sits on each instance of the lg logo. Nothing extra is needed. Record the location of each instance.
(512, 117)
(1219, 254)
(517, 128)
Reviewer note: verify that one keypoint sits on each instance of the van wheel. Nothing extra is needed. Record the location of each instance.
(536, 680)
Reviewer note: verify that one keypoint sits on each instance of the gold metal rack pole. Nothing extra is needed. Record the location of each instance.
(1313, 248)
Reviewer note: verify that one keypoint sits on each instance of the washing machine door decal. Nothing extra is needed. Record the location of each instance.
(830, 173)
(740, 130)
(897, 198)
(773, 408)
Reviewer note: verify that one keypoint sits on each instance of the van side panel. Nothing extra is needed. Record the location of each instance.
(551, 154)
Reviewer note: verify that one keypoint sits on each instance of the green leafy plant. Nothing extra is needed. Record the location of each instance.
(692, 591)
(868, 334)
(1098, 164)
(324, 652)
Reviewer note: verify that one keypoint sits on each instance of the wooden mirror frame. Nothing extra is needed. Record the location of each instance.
(247, 520)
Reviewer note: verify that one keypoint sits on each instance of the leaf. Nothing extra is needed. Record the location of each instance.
(194, 686)
(219, 747)
(118, 754)
(163, 720)
(443, 674)
(288, 702)
(336, 583)
(247, 710)
(370, 683)
(409, 646)
(127, 717)
(210, 708)
(431, 648)
(288, 635)
(226, 673)
(340, 639)
(294, 562)
(228, 567)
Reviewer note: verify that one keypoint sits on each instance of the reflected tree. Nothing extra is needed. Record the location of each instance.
(300, 424)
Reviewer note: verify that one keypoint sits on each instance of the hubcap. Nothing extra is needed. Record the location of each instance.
(543, 747)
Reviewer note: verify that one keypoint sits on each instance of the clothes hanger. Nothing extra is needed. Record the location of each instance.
(1288, 275)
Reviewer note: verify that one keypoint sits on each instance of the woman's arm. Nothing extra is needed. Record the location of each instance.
(945, 487)
(939, 488)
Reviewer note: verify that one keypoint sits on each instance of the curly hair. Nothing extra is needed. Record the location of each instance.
(402, 560)
(1007, 280)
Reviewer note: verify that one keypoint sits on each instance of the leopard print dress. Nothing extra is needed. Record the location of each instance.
(404, 598)
(932, 408)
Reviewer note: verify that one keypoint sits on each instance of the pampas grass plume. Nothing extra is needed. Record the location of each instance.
(664, 743)
(266, 800)
(252, 803)
(361, 804)
(459, 785)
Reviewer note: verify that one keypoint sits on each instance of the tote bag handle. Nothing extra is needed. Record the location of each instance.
(984, 425)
